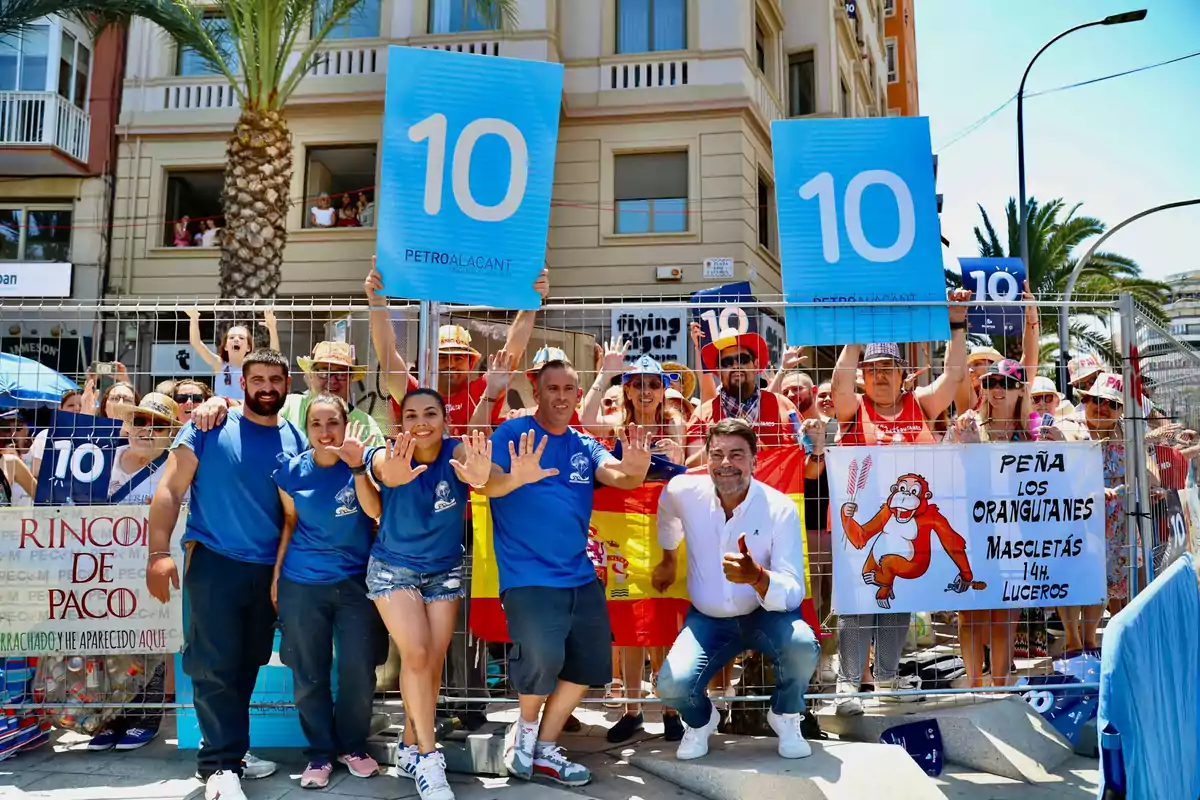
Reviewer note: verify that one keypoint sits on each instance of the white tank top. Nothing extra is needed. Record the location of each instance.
(324, 216)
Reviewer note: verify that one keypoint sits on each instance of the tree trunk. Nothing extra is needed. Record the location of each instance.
(258, 176)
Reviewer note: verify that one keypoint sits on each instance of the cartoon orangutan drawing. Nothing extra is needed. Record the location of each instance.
(899, 539)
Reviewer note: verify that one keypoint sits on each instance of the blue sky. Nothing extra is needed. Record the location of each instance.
(1118, 146)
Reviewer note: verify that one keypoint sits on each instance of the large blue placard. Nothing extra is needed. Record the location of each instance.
(994, 280)
(465, 179)
(858, 224)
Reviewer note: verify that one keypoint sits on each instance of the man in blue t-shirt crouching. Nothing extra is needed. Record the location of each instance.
(233, 526)
(541, 490)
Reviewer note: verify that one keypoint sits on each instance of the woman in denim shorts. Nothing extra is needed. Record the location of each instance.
(415, 572)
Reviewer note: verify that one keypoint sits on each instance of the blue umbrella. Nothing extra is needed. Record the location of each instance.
(26, 383)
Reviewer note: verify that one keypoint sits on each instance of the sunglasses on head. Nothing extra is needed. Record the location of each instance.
(991, 382)
(1102, 402)
(188, 398)
(148, 421)
(741, 359)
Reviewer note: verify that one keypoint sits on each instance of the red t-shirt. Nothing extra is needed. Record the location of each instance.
(1172, 467)
(459, 406)
(909, 426)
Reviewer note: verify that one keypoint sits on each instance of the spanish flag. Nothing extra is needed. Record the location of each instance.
(623, 547)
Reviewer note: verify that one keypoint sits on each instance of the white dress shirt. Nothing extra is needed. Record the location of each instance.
(688, 509)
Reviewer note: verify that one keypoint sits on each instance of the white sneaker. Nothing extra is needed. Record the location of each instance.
(899, 684)
(406, 761)
(255, 768)
(431, 777)
(223, 785)
(695, 740)
(519, 744)
(792, 743)
(847, 706)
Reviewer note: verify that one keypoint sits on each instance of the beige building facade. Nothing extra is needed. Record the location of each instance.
(664, 155)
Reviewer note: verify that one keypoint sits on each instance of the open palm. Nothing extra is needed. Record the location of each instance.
(526, 460)
(397, 468)
(351, 448)
(476, 464)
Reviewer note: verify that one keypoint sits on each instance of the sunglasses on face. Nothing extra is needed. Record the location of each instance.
(188, 398)
(1102, 402)
(741, 359)
(652, 385)
(148, 421)
(1007, 383)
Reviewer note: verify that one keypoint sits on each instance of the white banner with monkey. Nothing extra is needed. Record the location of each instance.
(955, 527)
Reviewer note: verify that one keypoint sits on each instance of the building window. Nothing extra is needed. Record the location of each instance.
(190, 62)
(361, 23)
(338, 185)
(193, 206)
(845, 108)
(766, 213)
(75, 61)
(455, 16)
(760, 48)
(24, 59)
(802, 84)
(889, 49)
(35, 233)
(651, 191)
(889, 8)
(644, 26)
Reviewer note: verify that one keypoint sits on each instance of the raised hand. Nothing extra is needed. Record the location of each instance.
(374, 284)
(740, 567)
(815, 429)
(525, 460)
(614, 356)
(696, 334)
(499, 373)
(397, 468)
(476, 466)
(1031, 310)
(910, 380)
(958, 313)
(635, 449)
(351, 448)
(542, 284)
(269, 319)
(192, 314)
(792, 358)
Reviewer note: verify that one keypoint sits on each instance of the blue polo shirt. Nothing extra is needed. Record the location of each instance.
(235, 508)
(421, 528)
(540, 531)
(332, 539)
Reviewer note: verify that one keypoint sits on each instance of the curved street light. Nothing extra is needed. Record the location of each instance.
(1063, 344)
(1114, 19)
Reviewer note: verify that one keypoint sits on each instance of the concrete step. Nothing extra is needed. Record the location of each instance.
(740, 767)
(998, 735)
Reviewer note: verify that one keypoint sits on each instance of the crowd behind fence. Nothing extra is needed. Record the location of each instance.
(155, 341)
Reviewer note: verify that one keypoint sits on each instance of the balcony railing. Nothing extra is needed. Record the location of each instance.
(216, 93)
(479, 48)
(44, 118)
(645, 74)
(347, 59)
(768, 105)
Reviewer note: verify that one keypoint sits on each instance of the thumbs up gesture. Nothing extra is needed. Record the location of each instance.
(740, 567)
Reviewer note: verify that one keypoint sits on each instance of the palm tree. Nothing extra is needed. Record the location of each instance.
(250, 43)
(15, 15)
(1055, 232)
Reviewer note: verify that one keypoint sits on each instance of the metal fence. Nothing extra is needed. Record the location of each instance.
(154, 342)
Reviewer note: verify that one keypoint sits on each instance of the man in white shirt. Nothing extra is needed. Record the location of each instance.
(745, 577)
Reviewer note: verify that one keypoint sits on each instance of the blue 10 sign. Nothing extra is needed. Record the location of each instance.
(465, 176)
(859, 236)
(992, 281)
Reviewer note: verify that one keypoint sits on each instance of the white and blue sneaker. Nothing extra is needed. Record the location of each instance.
(137, 737)
(406, 761)
(551, 763)
(431, 777)
(519, 744)
(105, 739)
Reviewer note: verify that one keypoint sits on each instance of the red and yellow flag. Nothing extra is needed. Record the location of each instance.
(623, 547)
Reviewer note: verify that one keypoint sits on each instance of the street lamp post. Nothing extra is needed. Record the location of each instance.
(1063, 319)
(1115, 19)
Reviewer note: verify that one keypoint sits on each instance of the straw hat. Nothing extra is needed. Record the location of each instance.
(688, 405)
(457, 339)
(983, 354)
(544, 356)
(1043, 385)
(1108, 386)
(730, 337)
(337, 354)
(687, 378)
(157, 405)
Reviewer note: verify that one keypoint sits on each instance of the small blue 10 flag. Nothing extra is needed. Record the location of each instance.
(994, 280)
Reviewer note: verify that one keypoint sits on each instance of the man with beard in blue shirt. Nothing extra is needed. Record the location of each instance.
(234, 519)
(541, 489)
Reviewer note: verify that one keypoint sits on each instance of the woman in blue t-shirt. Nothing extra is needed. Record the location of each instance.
(320, 591)
(415, 574)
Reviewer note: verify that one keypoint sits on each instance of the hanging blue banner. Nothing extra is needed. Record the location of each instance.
(466, 176)
(77, 462)
(858, 224)
(995, 280)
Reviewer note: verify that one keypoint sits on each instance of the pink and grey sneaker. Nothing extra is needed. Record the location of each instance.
(360, 765)
(316, 775)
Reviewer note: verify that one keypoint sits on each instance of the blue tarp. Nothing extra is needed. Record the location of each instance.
(1150, 688)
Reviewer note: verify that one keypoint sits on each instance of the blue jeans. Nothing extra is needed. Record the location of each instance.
(230, 633)
(316, 619)
(706, 644)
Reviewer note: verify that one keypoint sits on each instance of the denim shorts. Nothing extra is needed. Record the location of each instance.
(384, 578)
(558, 633)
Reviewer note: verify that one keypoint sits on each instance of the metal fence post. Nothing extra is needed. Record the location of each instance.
(427, 330)
(1137, 490)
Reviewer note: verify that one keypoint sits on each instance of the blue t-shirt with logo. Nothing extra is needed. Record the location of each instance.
(235, 508)
(421, 528)
(540, 531)
(332, 539)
